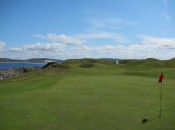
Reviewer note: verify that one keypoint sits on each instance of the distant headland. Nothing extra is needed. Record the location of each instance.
(33, 60)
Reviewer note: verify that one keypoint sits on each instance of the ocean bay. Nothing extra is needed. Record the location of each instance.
(7, 65)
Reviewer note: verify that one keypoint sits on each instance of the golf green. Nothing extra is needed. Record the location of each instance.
(101, 98)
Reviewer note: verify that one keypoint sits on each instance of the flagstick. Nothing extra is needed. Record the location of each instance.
(160, 101)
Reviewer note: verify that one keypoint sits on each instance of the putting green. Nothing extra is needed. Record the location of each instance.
(87, 99)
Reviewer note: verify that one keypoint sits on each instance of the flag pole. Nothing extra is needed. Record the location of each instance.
(160, 101)
(161, 78)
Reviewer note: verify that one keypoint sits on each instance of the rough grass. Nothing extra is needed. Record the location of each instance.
(104, 97)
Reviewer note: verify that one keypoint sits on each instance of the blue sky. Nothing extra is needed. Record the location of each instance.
(65, 29)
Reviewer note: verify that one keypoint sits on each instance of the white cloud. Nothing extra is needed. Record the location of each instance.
(45, 47)
(148, 47)
(103, 35)
(79, 39)
(38, 36)
(103, 22)
(167, 17)
(168, 43)
(48, 50)
(62, 38)
(16, 49)
(2, 45)
(39, 47)
(108, 22)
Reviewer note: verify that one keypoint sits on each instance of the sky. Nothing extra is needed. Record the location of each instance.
(66, 29)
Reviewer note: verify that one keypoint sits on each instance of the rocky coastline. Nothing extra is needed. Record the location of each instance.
(12, 72)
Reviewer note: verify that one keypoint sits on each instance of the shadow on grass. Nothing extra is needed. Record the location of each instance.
(146, 120)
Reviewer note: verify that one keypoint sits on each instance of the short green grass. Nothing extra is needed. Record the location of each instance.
(104, 97)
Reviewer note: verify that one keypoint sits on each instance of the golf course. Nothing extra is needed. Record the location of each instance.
(90, 94)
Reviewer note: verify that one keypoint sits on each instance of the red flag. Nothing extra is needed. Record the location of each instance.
(161, 78)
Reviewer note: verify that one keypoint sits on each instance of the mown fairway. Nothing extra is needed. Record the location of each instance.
(105, 97)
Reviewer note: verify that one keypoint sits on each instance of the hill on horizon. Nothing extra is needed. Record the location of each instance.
(39, 60)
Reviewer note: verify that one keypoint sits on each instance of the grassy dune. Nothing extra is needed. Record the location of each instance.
(104, 97)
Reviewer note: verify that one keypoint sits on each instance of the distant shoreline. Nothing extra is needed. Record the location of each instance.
(24, 62)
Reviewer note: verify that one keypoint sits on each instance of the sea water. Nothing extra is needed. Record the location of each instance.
(20, 65)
